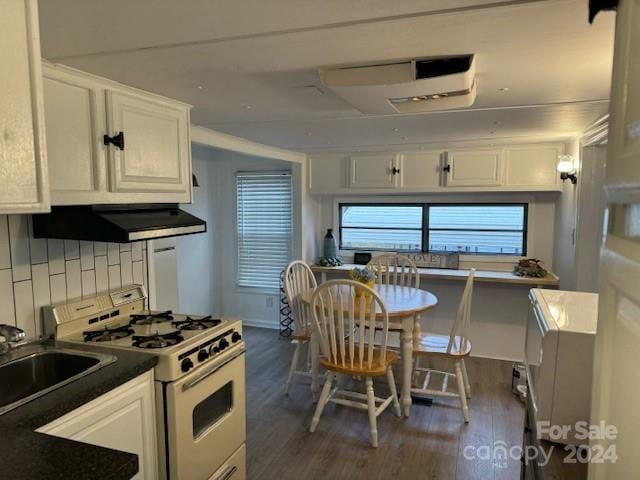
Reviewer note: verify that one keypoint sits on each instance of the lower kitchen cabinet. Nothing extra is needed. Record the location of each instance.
(123, 419)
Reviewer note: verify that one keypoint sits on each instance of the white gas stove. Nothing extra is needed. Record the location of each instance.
(200, 389)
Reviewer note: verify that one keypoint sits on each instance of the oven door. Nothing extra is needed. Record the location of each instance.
(206, 417)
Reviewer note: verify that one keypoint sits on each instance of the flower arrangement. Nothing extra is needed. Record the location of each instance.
(529, 267)
(365, 275)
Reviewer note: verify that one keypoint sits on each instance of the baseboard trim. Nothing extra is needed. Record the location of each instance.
(260, 323)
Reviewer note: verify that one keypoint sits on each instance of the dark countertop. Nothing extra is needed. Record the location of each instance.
(43, 456)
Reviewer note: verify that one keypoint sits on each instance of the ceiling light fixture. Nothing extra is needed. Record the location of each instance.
(503, 89)
(248, 107)
(567, 168)
(199, 87)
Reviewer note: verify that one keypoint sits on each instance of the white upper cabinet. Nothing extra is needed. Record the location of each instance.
(378, 170)
(513, 168)
(23, 164)
(532, 165)
(73, 144)
(155, 154)
(624, 127)
(473, 168)
(420, 170)
(147, 158)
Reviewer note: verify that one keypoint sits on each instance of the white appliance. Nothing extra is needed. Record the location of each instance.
(199, 377)
(559, 347)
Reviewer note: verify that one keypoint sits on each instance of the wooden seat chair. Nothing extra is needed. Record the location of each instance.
(454, 347)
(298, 278)
(345, 325)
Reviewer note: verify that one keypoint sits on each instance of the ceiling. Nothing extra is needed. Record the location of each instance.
(250, 68)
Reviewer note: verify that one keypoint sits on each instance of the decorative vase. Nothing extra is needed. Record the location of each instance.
(361, 292)
(330, 246)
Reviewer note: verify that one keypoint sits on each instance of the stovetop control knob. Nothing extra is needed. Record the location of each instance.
(223, 344)
(203, 355)
(236, 337)
(213, 349)
(186, 365)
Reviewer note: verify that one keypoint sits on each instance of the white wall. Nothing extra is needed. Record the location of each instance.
(38, 272)
(207, 262)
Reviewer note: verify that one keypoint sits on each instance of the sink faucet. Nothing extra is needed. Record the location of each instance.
(10, 336)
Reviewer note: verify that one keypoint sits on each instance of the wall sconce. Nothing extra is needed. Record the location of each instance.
(566, 168)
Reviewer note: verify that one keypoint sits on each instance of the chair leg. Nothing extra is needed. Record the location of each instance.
(322, 402)
(294, 366)
(465, 377)
(461, 391)
(371, 404)
(394, 391)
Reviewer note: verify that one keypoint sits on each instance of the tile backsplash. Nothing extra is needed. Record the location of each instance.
(36, 272)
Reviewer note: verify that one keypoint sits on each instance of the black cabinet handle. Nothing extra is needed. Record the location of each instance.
(117, 140)
(395, 171)
(446, 168)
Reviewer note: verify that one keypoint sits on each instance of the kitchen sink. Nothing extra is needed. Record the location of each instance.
(29, 376)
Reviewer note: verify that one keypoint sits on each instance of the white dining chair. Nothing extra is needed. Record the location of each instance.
(396, 269)
(454, 347)
(298, 278)
(345, 325)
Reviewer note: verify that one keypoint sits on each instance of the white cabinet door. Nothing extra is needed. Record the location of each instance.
(156, 155)
(123, 419)
(616, 384)
(378, 170)
(23, 166)
(420, 170)
(473, 168)
(534, 165)
(75, 124)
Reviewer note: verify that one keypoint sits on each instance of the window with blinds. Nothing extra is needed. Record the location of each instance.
(264, 227)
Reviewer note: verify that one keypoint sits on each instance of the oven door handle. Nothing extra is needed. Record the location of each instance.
(204, 375)
(228, 473)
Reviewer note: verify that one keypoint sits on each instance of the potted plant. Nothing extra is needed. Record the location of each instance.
(365, 275)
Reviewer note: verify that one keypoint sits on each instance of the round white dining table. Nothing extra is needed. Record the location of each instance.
(404, 306)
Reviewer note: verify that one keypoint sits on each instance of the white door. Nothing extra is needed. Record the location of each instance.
(420, 170)
(616, 373)
(155, 156)
(23, 167)
(473, 168)
(374, 170)
(75, 125)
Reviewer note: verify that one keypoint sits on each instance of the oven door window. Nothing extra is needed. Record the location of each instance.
(212, 409)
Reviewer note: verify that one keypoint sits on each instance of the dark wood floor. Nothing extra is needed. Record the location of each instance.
(428, 445)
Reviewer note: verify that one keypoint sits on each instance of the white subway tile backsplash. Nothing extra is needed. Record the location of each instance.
(88, 283)
(113, 253)
(138, 273)
(102, 274)
(25, 318)
(74, 279)
(86, 255)
(126, 269)
(115, 281)
(41, 292)
(37, 247)
(5, 252)
(55, 248)
(19, 245)
(38, 272)
(71, 249)
(58, 285)
(99, 248)
(6, 298)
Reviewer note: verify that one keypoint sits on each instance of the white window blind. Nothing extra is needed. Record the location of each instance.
(264, 231)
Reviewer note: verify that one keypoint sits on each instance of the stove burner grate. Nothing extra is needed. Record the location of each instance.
(150, 318)
(107, 334)
(197, 324)
(158, 340)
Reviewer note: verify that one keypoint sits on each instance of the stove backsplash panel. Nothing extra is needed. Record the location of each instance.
(38, 272)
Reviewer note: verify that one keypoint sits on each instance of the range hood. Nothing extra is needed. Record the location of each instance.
(116, 223)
